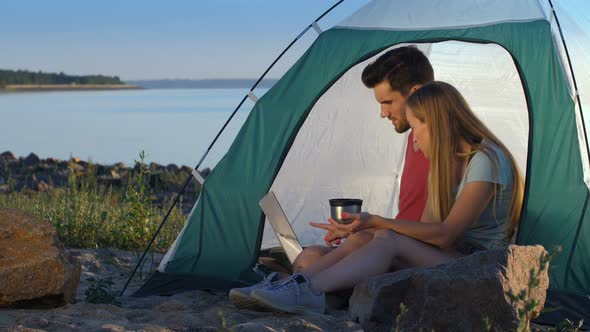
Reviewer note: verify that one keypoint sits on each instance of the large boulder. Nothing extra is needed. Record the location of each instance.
(458, 296)
(35, 269)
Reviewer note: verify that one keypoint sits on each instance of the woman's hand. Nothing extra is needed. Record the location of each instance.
(337, 231)
(360, 221)
(333, 234)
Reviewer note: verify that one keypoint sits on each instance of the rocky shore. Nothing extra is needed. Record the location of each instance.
(33, 174)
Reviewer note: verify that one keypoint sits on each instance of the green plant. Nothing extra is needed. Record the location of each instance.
(565, 325)
(568, 326)
(87, 214)
(487, 324)
(403, 309)
(223, 322)
(99, 291)
(136, 207)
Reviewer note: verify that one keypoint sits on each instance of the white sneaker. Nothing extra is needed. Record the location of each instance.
(240, 297)
(293, 296)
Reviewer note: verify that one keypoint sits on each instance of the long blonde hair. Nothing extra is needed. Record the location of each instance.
(449, 119)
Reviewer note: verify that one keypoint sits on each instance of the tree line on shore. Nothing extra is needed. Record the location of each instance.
(25, 77)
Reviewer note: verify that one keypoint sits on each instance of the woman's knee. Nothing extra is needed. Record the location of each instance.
(308, 256)
(391, 241)
(315, 251)
(358, 240)
(386, 234)
(402, 248)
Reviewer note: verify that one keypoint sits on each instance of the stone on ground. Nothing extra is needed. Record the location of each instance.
(457, 296)
(35, 269)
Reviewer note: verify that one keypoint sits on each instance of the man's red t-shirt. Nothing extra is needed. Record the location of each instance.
(414, 183)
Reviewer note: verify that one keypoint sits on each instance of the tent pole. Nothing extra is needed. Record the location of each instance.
(215, 140)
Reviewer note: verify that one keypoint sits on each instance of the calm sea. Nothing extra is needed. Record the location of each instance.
(171, 126)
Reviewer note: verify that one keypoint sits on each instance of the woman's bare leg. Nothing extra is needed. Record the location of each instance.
(309, 256)
(387, 250)
(350, 245)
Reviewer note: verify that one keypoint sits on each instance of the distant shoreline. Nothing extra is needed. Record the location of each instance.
(67, 87)
(220, 83)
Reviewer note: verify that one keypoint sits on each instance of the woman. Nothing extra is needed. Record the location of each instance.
(475, 197)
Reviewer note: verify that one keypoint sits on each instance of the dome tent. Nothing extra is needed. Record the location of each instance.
(316, 135)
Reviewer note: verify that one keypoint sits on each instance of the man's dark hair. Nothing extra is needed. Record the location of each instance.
(402, 67)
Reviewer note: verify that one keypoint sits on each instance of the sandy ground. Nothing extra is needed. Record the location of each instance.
(189, 311)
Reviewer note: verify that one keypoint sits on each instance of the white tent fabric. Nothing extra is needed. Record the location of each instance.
(402, 15)
(356, 154)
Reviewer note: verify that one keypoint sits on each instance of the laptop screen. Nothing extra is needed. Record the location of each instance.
(279, 222)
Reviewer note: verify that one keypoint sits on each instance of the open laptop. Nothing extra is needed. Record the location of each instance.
(281, 225)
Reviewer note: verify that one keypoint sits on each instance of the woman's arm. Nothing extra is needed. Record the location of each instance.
(470, 204)
(427, 215)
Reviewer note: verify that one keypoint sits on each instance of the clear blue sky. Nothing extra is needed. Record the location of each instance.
(157, 39)
(149, 39)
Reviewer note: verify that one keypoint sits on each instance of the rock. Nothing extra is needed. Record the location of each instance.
(43, 322)
(115, 174)
(186, 169)
(156, 167)
(77, 168)
(31, 182)
(31, 159)
(43, 186)
(172, 168)
(102, 169)
(109, 180)
(457, 296)
(63, 165)
(60, 178)
(52, 161)
(205, 172)
(7, 155)
(171, 306)
(251, 327)
(36, 270)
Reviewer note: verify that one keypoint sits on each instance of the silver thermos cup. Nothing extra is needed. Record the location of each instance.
(349, 205)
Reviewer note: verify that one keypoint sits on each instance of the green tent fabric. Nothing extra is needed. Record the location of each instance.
(223, 236)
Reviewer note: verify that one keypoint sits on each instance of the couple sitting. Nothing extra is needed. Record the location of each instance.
(474, 194)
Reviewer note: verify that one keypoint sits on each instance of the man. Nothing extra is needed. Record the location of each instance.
(394, 76)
